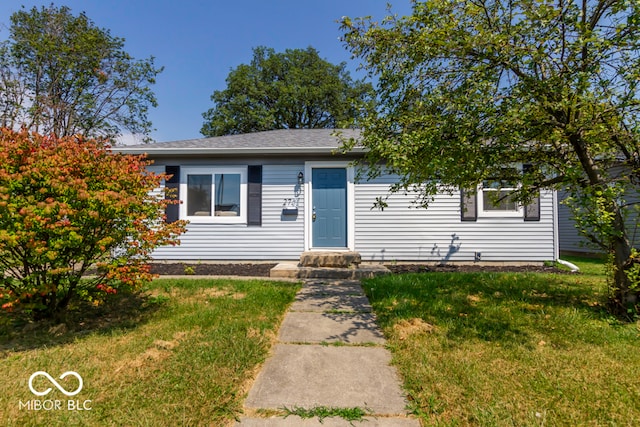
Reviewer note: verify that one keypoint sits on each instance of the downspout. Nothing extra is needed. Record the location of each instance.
(556, 225)
(574, 268)
(556, 235)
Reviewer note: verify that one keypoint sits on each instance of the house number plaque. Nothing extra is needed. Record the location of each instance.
(290, 203)
(290, 206)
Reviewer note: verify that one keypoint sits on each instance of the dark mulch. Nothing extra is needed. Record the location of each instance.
(262, 270)
(235, 269)
(415, 268)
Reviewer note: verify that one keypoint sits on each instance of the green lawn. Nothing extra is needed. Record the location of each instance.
(473, 349)
(510, 349)
(186, 359)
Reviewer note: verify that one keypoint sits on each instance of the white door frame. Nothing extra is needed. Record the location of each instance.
(308, 203)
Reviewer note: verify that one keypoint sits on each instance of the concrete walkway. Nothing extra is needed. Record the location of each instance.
(330, 353)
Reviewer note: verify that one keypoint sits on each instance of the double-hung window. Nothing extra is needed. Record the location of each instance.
(214, 194)
(495, 199)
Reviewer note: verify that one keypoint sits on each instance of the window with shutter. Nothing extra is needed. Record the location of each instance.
(493, 199)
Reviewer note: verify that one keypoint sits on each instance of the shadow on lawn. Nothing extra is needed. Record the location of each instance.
(122, 311)
(503, 307)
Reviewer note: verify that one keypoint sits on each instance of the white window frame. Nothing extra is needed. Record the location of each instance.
(213, 170)
(482, 212)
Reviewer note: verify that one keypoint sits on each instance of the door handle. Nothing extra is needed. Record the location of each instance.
(313, 215)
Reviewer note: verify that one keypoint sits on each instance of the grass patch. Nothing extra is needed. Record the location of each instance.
(183, 353)
(510, 348)
(322, 412)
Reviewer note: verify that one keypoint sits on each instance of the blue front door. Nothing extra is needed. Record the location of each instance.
(329, 200)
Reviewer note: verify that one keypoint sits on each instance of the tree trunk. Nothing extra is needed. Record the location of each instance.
(623, 297)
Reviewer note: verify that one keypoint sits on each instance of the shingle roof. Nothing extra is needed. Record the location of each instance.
(282, 141)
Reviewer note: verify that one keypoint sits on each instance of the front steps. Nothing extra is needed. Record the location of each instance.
(328, 265)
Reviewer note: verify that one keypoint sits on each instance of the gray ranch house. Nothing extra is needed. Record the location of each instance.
(276, 194)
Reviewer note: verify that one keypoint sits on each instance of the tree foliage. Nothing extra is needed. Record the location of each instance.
(468, 87)
(61, 74)
(291, 90)
(68, 205)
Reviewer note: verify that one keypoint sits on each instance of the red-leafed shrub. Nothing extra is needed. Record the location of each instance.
(69, 206)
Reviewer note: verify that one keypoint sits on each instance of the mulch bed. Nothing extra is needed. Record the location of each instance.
(414, 268)
(239, 269)
(262, 269)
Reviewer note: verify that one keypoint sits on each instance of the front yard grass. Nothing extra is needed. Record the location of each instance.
(498, 349)
(186, 358)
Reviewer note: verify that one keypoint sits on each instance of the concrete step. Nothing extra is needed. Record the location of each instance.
(292, 270)
(330, 259)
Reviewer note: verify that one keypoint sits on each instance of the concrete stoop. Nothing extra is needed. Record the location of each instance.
(328, 265)
(294, 271)
(330, 259)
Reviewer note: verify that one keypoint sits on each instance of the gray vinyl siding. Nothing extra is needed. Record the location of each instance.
(405, 232)
(279, 238)
(402, 232)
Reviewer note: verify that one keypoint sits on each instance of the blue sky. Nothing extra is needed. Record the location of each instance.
(199, 42)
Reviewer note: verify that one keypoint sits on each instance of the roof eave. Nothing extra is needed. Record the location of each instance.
(159, 151)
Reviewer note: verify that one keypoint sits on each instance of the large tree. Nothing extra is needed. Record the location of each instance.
(469, 88)
(290, 90)
(60, 73)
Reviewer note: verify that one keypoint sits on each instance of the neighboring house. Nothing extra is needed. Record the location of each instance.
(273, 195)
(572, 242)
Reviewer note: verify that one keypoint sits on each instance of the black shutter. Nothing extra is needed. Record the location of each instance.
(532, 209)
(254, 196)
(468, 205)
(172, 212)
